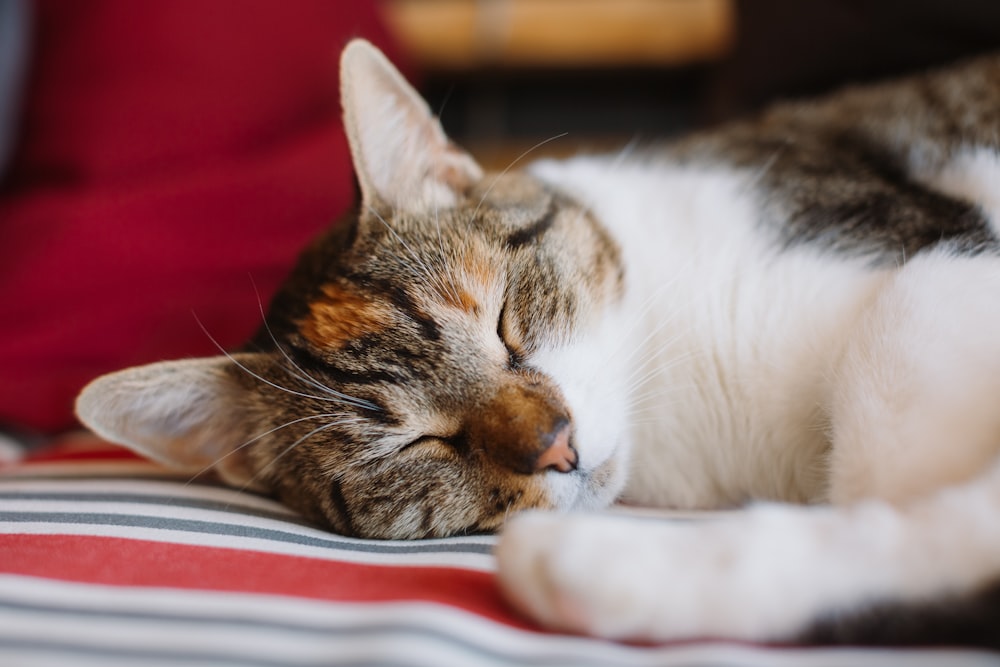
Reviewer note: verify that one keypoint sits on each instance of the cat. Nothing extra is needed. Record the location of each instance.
(796, 314)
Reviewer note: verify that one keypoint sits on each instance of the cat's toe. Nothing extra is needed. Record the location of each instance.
(530, 569)
(568, 573)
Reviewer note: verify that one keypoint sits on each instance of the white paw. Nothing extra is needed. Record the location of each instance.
(603, 576)
(762, 574)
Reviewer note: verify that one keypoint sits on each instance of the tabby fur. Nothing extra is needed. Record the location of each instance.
(803, 307)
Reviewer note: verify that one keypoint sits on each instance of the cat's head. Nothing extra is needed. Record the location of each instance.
(435, 362)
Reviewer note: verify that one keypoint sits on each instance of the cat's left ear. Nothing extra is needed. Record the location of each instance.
(187, 414)
(401, 154)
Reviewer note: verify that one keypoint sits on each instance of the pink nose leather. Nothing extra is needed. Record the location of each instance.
(560, 455)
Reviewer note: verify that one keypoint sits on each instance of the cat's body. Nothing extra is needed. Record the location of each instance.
(744, 337)
(804, 308)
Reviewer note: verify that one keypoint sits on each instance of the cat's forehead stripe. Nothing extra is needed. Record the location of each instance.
(460, 298)
(477, 275)
(530, 233)
(339, 316)
(479, 266)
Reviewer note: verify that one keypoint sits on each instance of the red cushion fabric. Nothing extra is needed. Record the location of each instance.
(109, 560)
(175, 154)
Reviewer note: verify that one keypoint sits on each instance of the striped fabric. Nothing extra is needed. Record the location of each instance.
(109, 560)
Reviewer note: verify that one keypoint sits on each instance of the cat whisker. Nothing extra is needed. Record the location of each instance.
(643, 310)
(257, 376)
(625, 153)
(506, 510)
(295, 444)
(641, 402)
(301, 374)
(633, 384)
(759, 175)
(634, 380)
(646, 366)
(334, 395)
(255, 439)
(511, 166)
(428, 275)
(399, 239)
(451, 287)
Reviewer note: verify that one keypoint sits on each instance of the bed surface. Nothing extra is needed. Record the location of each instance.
(106, 559)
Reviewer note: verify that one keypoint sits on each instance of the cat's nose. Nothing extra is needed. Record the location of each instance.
(559, 455)
(524, 426)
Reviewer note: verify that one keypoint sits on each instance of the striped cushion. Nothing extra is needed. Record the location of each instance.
(106, 559)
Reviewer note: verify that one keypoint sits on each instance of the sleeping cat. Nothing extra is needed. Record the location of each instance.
(800, 312)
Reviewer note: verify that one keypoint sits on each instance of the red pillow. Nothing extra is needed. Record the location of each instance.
(174, 154)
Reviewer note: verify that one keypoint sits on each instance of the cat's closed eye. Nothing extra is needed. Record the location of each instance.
(511, 339)
(427, 442)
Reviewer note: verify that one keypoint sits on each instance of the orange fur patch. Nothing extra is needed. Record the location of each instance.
(461, 299)
(478, 267)
(341, 316)
(477, 273)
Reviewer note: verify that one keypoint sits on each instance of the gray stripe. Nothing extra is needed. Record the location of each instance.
(583, 652)
(68, 651)
(161, 500)
(377, 634)
(216, 528)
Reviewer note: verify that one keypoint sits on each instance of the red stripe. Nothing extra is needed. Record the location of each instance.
(61, 455)
(81, 448)
(125, 562)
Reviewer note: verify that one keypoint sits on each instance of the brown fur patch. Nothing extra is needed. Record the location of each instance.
(461, 299)
(517, 424)
(340, 316)
(477, 274)
(479, 267)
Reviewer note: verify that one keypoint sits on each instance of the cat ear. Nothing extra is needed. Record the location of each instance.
(401, 154)
(181, 413)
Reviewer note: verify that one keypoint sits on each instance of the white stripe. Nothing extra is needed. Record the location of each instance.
(150, 488)
(463, 552)
(466, 561)
(179, 488)
(164, 510)
(293, 631)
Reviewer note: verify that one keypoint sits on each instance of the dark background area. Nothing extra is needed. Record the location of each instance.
(783, 49)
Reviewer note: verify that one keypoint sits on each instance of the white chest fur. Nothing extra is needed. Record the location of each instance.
(729, 339)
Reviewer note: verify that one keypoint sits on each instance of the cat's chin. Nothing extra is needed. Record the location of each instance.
(591, 489)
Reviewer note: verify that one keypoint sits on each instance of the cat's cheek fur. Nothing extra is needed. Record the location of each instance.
(594, 387)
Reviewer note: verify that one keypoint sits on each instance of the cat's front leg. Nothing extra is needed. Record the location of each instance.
(641, 579)
(769, 572)
(759, 575)
(603, 576)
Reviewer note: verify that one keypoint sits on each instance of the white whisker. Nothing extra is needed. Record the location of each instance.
(257, 376)
(639, 403)
(254, 439)
(429, 275)
(302, 374)
(511, 166)
(286, 450)
(450, 287)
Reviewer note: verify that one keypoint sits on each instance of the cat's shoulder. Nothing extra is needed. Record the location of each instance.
(881, 171)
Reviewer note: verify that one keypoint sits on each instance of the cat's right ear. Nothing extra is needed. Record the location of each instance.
(186, 414)
(401, 155)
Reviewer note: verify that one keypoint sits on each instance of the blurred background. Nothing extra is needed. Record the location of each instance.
(505, 74)
(162, 162)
